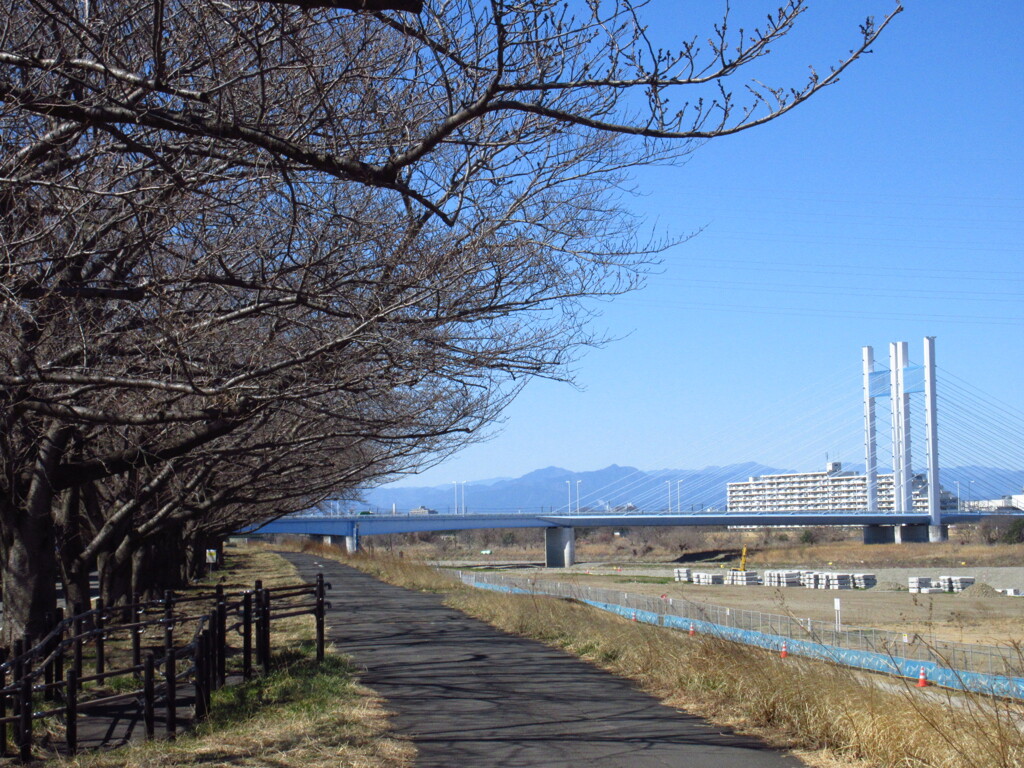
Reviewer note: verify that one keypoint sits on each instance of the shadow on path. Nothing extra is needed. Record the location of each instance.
(469, 695)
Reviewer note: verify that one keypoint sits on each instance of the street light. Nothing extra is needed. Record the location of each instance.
(456, 484)
(958, 507)
(669, 484)
(679, 496)
(568, 485)
(578, 496)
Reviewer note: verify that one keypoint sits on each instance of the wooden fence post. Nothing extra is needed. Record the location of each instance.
(48, 665)
(71, 711)
(3, 707)
(101, 663)
(58, 662)
(17, 672)
(136, 618)
(222, 643)
(247, 636)
(25, 724)
(320, 615)
(76, 628)
(258, 608)
(266, 631)
(211, 666)
(171, 681)
(147, 696)
(200, 673)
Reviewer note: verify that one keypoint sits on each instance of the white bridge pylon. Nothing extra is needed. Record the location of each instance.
(903, 379)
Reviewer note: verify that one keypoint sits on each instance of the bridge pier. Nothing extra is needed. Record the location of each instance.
(937, 533)
(559, 547)
(352, 543)
(912, 534)
(879, 534)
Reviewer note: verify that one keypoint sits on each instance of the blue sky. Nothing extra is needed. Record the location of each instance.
(888, 208)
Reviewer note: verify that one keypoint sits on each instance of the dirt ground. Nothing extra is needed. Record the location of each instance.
(609, 560)
(960, 618)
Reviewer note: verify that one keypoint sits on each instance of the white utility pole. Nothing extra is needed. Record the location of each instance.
(907, 472)
(932, 439)
(870, 440)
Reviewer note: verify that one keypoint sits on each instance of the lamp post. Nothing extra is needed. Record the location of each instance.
(456, 484)
(578, 496)
(970, 493)
(679, 496)
(669, 484)
(958, 507)
(568, 485)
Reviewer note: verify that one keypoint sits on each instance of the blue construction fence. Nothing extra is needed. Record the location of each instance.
(886, 663)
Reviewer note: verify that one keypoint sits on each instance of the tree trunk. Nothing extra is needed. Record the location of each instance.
(29, 578)
(74, 573)
(159, 564)
(29, 561)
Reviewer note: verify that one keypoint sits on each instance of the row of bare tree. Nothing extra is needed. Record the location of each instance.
(256, 254)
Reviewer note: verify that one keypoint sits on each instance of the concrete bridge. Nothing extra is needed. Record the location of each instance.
(560, 535)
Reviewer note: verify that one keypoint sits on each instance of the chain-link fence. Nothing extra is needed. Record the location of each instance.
(1005, 661)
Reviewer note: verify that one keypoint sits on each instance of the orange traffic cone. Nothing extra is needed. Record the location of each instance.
(693, 629)
(634, 615)
(783, 653)
(922, 680)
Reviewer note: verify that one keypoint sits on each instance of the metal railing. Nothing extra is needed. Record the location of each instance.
(1007, 661)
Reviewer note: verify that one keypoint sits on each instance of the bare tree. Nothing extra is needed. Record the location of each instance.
(216, 216)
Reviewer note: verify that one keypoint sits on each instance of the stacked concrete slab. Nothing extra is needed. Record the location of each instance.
(809, 579)
(782, 578)
(742, 578)
(838, 581)
(707, 579)
(955, 583)
(923, 585)
(681, 574)
(916, 583)
(864, 580)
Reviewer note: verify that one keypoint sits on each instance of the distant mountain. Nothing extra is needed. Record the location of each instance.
(549, 490)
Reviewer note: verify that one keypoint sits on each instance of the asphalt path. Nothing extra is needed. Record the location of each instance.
(470, 696)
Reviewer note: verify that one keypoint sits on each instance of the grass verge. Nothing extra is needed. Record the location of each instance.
(829, 716)
(301, 715)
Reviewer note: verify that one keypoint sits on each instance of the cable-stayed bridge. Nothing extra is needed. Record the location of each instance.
(560, 528)
(908, 504)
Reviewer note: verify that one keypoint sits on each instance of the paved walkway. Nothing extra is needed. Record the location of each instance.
(469, 695)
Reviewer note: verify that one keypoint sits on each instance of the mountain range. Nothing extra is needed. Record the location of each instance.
(549, 489)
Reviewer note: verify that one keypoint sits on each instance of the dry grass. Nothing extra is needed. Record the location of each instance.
(300, 716)
(409, 572)
(855, 554)
(406, 572)
(828, 716)
(824, 712)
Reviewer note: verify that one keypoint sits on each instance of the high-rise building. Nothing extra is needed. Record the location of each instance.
(832, 490)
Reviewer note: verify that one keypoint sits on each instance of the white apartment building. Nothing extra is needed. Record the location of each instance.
(832, 490)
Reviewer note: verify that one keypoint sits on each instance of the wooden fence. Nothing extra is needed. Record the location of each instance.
(50, 679)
